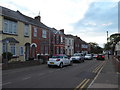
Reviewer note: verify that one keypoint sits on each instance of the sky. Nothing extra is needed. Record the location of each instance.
(88, 19)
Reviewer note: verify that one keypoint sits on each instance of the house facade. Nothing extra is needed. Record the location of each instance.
(57, 41)
(15, 33)
(69, 45)
(117, 49)
(40, 37)
(77, 44)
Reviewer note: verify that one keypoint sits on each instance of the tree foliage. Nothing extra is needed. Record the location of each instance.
(94, 48)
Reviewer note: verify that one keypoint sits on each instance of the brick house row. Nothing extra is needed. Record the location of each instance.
(27, 37)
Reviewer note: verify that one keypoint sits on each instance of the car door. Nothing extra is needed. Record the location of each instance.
(66, 60)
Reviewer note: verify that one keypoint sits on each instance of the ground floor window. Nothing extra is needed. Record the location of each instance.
(4, 47)
(13, 49)
(21, 51)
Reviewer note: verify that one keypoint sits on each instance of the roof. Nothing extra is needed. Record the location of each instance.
(55, 31)
(17, 15)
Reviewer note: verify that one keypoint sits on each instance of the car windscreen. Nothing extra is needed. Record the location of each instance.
(88, 55)
(57, 56)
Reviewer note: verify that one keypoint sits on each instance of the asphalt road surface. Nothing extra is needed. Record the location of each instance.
(80, 75)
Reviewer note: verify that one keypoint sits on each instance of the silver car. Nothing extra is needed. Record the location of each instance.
(77, 57)
(88, 57)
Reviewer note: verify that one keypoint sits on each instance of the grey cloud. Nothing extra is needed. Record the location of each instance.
(100, 13)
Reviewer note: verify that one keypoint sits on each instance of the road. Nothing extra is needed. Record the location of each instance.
(80, 75)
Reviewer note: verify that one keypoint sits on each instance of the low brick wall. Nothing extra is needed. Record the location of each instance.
(19, 64)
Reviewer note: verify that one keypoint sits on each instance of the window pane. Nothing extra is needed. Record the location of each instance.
(35, 32)
(44, 33)
(26, 30)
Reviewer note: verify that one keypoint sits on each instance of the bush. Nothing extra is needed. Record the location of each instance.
(9, 55)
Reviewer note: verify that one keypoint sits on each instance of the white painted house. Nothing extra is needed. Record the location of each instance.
(69, 45)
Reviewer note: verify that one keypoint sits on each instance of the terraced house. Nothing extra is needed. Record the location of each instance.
(40, 37)
(15, 33)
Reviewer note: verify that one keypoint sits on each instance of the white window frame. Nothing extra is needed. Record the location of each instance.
(10, 26)
(13, 47)
(4, 47)
(21, 50)
(44, 33)
(26, 30)
(35, 32)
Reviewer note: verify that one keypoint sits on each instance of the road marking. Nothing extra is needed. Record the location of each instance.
(80, 84)
(26, 78)
(97, 68)
(6, 83)
(96, 76)
(84, 84)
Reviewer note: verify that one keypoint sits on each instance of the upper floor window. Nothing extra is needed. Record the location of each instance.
(44, 33)
(26, 32)
(35, 32)
(61, 39)
(10, 27)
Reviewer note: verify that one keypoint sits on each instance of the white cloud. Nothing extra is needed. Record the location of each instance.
(60, 14)
(107, 24)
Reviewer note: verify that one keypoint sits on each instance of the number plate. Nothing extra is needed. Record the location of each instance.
(51, 62)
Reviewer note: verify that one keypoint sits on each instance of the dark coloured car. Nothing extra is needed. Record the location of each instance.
(100, 57)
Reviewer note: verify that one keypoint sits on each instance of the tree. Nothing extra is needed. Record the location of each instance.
(114, 39)
(94, 48)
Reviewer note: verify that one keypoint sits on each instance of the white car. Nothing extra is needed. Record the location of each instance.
(88, 56)
(59, 60)
(77, 57)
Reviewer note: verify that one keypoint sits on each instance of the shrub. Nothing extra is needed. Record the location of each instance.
(9, 55)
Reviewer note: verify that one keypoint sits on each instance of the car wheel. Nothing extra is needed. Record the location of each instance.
(49, 66)
(61, 65)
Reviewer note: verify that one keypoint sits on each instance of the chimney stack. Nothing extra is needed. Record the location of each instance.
(62, 30)
(38, 18)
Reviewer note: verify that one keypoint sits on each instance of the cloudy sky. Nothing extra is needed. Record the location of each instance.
(88, 19)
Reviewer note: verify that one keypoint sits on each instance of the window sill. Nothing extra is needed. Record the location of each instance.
(10, 34)
(15, 56)
(26, 36)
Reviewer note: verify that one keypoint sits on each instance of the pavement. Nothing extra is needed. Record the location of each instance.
(107, 77)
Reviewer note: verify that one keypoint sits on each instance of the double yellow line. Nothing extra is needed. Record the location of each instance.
(82, 84)
(98, 68)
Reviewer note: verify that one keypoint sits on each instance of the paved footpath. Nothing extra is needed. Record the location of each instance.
(107, 77)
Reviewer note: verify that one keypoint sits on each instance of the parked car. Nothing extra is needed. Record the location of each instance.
(88, 57)
(95, 56)
(77, 57)
(100, 57)
(59, 60)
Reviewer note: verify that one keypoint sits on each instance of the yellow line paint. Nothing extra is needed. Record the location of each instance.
(80, 84)
(97, 68)
(84, 84)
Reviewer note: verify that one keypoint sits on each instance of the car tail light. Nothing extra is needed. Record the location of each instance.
(96, 56)
(102, 56)
(58, 60)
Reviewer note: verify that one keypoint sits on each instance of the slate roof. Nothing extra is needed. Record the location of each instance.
(55, 31)
(17, 15)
